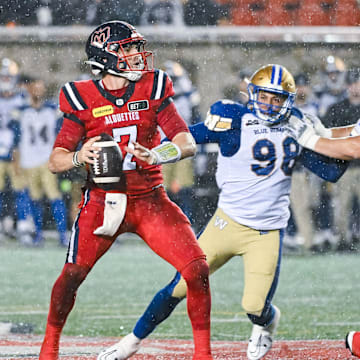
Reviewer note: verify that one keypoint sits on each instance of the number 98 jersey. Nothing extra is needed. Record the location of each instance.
(255, 181)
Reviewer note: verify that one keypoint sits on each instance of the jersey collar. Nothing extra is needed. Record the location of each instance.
(117, 101)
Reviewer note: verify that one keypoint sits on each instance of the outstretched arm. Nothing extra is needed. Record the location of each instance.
(182, 146)
(341, 148)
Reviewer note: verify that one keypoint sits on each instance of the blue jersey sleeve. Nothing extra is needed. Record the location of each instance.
(203, 135)
(229, 140)
(323, 166)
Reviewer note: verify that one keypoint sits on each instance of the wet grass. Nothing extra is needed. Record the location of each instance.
(318, 295)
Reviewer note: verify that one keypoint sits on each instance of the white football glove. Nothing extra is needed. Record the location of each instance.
(356, 130)
(316, 123)
(303, 132)
(217, 123)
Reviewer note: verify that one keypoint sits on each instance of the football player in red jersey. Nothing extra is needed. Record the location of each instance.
(128, 103)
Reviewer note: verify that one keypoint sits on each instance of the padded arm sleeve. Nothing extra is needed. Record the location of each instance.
(323, 166)
(203, 135)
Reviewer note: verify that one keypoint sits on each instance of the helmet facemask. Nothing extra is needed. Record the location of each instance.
(273, 114)
(126, 66)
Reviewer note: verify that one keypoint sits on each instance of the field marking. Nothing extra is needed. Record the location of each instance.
(26, 347)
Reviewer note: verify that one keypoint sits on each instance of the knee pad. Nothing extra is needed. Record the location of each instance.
(74, 273)
(253, 304)
(196, 272)
(197, 268)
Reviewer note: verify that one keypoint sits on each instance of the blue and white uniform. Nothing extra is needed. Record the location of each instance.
(38, 130)
(255, 163)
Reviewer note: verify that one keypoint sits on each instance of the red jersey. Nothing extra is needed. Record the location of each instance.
(129, 114)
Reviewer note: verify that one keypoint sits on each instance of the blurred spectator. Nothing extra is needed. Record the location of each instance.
(306, 187)
(10, 100)
(163, 12)
(39, 121)
(204, 12)
(332, 88)
(347, 112)
(179, 177)
(238, 91)
(100, 11)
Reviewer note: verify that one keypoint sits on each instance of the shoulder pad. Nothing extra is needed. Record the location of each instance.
(296, 112)
(162, 86)
(227, 108)
(70, 98)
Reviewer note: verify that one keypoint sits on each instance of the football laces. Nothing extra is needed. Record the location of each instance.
(96, 165)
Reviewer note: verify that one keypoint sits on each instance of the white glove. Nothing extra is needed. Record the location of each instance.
(303, 132)
(356, 130)
(316, 123)
(217, 123)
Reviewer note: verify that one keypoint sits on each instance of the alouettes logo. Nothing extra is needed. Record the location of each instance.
(100, 36)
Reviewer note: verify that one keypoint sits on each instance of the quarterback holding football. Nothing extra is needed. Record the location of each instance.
(111, 125)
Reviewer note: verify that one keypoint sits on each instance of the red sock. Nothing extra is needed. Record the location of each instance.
(62, 301)
(50, 346)
(202, 345)
(356, 344)
(199, 306)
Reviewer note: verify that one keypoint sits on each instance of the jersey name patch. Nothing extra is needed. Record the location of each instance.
(252, 122)
(102, 111)
(138, 105)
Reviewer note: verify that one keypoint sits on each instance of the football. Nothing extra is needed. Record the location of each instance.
(107, 169)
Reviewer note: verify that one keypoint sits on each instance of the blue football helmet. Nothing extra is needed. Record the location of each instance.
(274, 79)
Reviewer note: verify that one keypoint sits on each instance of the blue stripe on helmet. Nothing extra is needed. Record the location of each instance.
(272, 75)
(280, 75)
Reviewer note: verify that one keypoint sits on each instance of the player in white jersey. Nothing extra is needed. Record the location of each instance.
(10, 99)
(39, 121)
(255, 161)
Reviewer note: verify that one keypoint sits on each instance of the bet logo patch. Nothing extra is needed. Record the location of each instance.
(138, 105)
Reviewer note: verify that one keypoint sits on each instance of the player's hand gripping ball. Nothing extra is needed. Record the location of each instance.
(107, 169)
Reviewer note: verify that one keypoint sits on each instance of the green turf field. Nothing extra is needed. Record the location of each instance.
(318, 295)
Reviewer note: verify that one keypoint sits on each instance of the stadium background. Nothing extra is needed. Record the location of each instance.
(212, 55)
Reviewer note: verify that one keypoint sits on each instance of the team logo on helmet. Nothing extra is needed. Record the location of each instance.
(100, 36)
